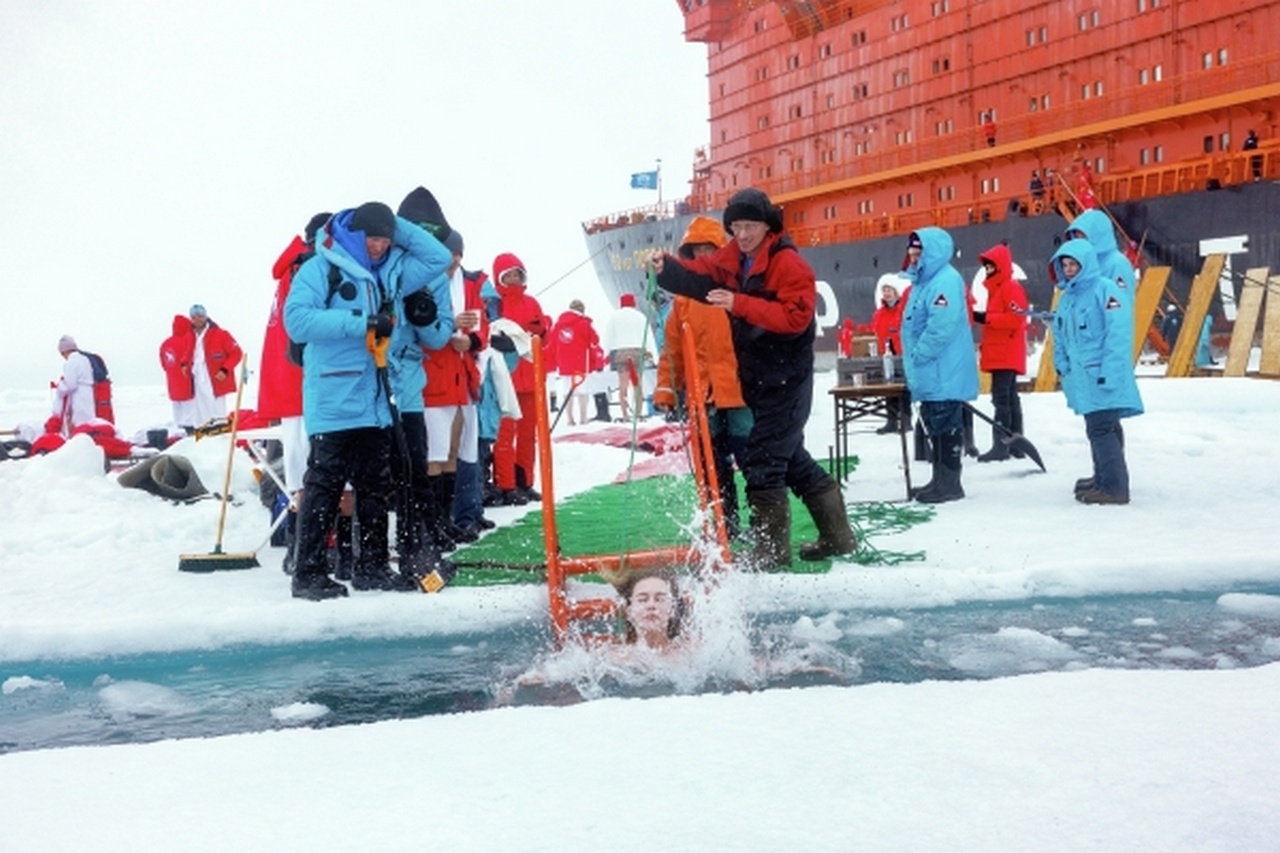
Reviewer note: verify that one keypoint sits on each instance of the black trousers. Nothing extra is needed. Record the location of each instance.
(775, 455)
(357, 456)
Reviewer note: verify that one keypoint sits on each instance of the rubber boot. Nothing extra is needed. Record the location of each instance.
(946, 477)
(524, 486)
(931, 445)
(826, 505)
(372, 569)
(1015, 423)
(311, 579)
(602, 407)
(770, 530)
(999, 450)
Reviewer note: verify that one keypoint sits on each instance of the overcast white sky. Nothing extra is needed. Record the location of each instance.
(156, 154)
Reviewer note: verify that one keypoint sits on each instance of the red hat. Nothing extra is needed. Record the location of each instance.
(628, 300)
(505, 263)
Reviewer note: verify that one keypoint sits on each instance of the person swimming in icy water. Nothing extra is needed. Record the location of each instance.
(661, 648)
(653, 610)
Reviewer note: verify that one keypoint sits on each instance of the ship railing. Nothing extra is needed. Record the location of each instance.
(1025, 130)
(645, 213)
(1208, 172)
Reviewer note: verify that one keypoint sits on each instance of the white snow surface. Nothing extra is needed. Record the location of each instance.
(1180, 759)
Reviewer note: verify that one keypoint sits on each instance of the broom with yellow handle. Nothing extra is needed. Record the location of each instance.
(217, 559)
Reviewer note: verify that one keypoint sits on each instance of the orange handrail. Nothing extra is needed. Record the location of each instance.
(564, 610)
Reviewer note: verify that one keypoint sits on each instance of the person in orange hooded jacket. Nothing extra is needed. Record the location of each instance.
(886, 323)
(515, 449)
(729, 418)
(1003, 347)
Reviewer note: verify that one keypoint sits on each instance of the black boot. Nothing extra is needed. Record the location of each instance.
(602, 407)
(1004, 418)
(1015, 423)
(315, 518)
(372, 569)
(1084, 484)
(524, 485)
(946, 472)
(835, 536)
(931, 445)
(770, 530)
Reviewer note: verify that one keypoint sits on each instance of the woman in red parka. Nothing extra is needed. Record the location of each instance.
(176, 354)
(515, 451)
(886, 323)
(1003, 347)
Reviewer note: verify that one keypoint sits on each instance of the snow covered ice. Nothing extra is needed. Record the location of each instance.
(1158, 747)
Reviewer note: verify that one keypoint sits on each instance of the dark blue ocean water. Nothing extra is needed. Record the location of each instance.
(241, 689)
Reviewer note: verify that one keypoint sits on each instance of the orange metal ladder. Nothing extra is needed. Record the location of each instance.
(565, 609)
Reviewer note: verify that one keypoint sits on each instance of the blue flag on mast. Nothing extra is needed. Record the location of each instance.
(644, 180)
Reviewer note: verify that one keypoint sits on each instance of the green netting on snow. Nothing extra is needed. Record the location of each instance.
(653, 513)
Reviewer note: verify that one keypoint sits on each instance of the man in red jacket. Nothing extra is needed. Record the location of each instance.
(1003, 348)
(574, 336)
(515, 451)
(213, 366)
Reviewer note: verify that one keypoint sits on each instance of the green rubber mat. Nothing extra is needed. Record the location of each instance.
(652, 513)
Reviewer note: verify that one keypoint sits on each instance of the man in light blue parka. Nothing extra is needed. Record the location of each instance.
(343, 304)
(938, 356)
(1093, 354)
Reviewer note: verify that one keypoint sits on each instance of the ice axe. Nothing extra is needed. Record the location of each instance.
(1016, 442)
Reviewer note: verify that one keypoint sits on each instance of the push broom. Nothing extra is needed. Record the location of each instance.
(217, 559)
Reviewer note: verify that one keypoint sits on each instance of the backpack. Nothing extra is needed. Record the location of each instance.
(101, 387)
(296, 348)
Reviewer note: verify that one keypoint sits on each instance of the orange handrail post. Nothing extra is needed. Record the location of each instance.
(702, 452)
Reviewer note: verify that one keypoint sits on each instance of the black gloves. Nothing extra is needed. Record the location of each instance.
(979, 316)
(420, 308)
(381, 324)
(502, 343)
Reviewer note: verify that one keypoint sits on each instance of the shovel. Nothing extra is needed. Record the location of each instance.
(1012, 440)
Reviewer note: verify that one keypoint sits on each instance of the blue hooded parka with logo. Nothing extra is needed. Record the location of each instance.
(1112, 264)
(340, 385)
(1093, 337)
(937, 341)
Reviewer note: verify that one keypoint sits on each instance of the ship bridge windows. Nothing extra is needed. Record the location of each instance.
(941, 65)
(796, 111)
(901, 77)
(990, 185)
(829, 212)
(859, 38)
(903, 137)
(824, 51)
(1209, 57)
(940, 7)
(1036, 35)
(866, 206)
(793, 62)
(944, 127)
(899, 23)
(1144, 5)
(859, 90)
(1089, 19)
(906, 200)
(947, 193)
